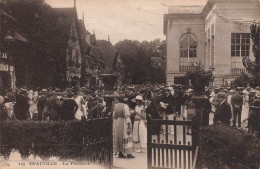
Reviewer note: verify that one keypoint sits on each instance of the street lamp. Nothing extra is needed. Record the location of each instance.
(8, 40)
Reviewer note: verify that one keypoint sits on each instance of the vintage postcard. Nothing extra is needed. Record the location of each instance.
(140, 84)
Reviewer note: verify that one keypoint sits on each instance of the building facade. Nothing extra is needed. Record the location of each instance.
(216, 35)
(9, 38)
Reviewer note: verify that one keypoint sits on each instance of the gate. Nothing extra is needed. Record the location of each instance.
(171, 150)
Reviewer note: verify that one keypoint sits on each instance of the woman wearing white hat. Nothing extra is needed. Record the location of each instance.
(140, 129)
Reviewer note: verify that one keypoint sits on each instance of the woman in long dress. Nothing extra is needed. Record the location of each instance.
(81, 104)
(245, 107)
(140, 129)
(123, 141)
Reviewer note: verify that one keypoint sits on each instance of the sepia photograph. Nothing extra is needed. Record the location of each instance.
(130, 84)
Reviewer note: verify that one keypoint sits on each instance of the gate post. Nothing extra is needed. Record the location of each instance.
(110, 120)
(149, 141)
(197, 123)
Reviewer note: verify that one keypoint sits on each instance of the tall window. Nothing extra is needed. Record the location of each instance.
(188, 46)
(240, 44)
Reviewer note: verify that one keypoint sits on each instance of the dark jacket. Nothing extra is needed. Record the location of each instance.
(51, 108)
(40, 106)
(95, 112)
(206, 108)
(3, 112)
(237, 100)
(21, 108)
(171, 102)
(68, 109)
(223, 113)
(153, 112)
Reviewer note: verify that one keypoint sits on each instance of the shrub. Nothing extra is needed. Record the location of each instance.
(64, 139)
(226, 147)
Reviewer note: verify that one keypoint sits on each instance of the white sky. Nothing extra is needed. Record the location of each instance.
(124, 19)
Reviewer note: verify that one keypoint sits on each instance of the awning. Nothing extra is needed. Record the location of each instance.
(19, 37)
(7, 15)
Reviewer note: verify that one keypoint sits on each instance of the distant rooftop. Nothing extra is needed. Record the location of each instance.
(185, 9)
(68, 12)
(189, 9)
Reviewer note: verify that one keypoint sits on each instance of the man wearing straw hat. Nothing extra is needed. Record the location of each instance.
(223, 111)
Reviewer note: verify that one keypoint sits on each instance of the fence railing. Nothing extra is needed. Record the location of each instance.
(238, 72)
(186, 68)
(89, 141)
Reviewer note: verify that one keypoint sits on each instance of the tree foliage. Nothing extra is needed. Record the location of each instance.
(138, 60)
(254, 66)
(109, 51)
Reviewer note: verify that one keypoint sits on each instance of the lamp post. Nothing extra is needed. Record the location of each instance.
(8, 41)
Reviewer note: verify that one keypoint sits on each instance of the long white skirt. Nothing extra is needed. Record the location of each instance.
(140, 134)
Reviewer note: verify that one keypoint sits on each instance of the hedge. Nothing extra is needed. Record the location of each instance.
(63, 139)
(227, 147)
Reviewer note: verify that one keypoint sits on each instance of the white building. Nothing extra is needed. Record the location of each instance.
(217, 35)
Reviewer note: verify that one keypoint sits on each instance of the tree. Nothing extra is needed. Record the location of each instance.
(137, 58)
(254, 66)
(109, 51)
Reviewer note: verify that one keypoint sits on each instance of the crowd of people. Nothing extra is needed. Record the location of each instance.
(130, 108)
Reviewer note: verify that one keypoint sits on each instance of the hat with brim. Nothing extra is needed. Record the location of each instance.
(44, 90)
(156, 89)
(64, 94)
(256, 103)
(212, 94)
(189, 90)
(167, 88)
(138, 97)
(23, 89)
(257, 95)
(222, 95)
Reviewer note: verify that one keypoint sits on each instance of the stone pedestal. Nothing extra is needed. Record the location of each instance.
(109, 81)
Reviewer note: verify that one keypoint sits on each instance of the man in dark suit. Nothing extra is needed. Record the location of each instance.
(41, 103)
(237, 103)
(167, 104)
(50, 111)
(21, 108)
(68, 108)
(223, 111)
(97, 111)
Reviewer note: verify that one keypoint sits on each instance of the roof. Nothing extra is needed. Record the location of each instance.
(19, 37)
(210, 3)
(179, 15)
(82, 29)
(67, 12)
(185, 9)
(197, 11)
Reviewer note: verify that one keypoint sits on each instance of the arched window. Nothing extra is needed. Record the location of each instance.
(188, 46)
